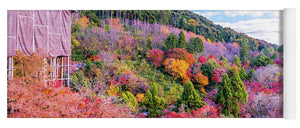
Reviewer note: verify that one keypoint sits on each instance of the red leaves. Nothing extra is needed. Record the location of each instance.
(259, 87)
(181, 54)
(156, 57)
(278, 62)
(171, 114)
(203, 112)
(216, 77)
(123, 81)
(212, 57)
(201, 59)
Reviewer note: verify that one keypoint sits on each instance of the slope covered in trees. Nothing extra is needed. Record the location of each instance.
(186, 20)
(124, 67)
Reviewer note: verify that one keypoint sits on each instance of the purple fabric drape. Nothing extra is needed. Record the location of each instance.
(31, 30)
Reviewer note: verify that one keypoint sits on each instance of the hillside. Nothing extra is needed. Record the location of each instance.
(186, 20)
(126, 65)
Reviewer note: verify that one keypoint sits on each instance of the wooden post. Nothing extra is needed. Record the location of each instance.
(62, 68)
(68, 70)
(55, 68)
(10, 67)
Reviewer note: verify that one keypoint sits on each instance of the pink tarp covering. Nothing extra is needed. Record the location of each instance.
(32, 30)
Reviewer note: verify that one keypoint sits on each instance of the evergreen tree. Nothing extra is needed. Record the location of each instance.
(190, 98)
(129, 99)
(243, 74)
(181, 40)
(244, 51)
(236, 61)
(153, 103)
(239, 92)
(170, 42)
(231, 93)
(195, 45)
(250, 74)
(208, 67)
(223, 59)
(262, 60)
(224, 95)
(274, 56)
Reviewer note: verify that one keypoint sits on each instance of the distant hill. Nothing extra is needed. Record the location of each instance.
(187, 20)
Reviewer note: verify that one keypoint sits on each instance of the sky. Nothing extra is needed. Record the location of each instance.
(258, 24)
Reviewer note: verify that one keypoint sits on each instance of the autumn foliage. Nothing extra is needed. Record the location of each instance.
(29, 96)
(202, 80)
(181, 54)
(155, 56)
(176, 68)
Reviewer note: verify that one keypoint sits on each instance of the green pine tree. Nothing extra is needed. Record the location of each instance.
(195, 45)
(236, 61)
(190, 98)
(224, 95)
(244, 51)
(243, 74)
(170, 42)
(239, 92)
(262, 60)
(223, 59)
(250, 74)
(153, 103)
(181, 40)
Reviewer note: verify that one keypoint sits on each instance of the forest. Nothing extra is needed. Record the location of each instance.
(153, 64)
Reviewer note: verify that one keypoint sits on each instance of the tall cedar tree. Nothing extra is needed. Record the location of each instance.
(223, 59)
(243, 74)
(153, 103)
(236, 61)
(170, 42)
(181, 40)
(190, 98)
(224, 95)
(195, 45)
(239, 92)
(244, 52)
(250, 74)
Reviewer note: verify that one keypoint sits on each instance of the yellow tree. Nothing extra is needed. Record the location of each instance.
(176, 68)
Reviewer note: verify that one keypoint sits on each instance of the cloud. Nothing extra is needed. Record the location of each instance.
(251, 13)
(266, 29)
(209, 13)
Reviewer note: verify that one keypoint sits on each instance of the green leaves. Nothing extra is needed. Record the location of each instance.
(230, 94)
(195, 45)
(170, 42)
(181, 41)
(190, 98)
(153, 103)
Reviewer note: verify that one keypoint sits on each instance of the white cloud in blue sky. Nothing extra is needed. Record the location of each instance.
(258, 24)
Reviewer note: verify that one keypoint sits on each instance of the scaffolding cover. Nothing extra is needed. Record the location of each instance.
(31, 30)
